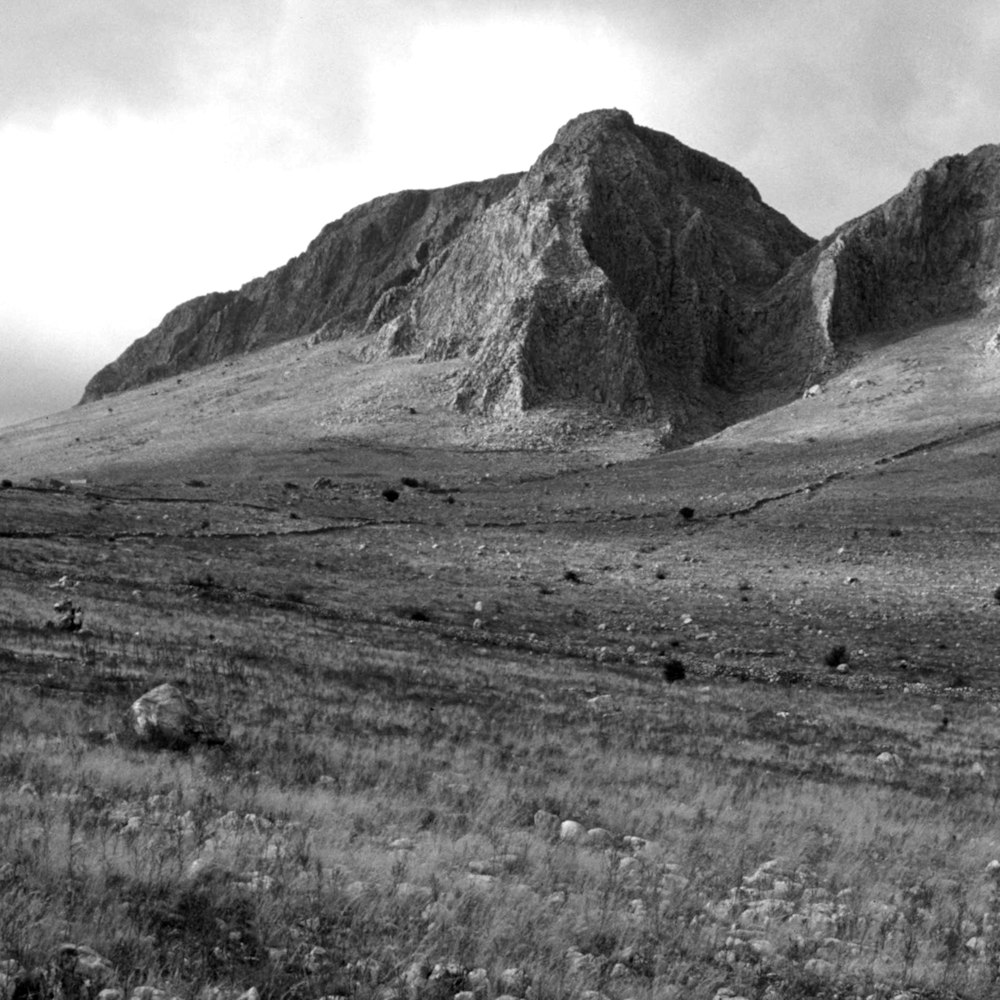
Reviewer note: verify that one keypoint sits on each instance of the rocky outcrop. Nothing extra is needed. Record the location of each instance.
(930, 252)
(329, 289)
(616, 272)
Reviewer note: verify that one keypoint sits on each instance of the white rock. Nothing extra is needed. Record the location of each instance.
(401, 844)
(889, 760)
(571, 831)
(977, 945)
(599, 837)
(514, 981)
(819, 967)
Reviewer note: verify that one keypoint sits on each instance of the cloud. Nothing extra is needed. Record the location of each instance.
(830, 105)
(111, 55)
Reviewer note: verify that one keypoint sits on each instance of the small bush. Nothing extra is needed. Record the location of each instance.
(835, 656)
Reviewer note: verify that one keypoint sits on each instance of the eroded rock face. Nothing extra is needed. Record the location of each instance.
(616, 273)
(330, 289)
(930, 252)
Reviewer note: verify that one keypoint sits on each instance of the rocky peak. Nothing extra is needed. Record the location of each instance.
(930, 252)
(614, 272)
(328, 290)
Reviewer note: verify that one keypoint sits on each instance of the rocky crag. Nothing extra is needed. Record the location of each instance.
(328, 290)
(623, 270)
(929, 253)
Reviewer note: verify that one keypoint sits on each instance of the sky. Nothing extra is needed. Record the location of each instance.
(155, 150)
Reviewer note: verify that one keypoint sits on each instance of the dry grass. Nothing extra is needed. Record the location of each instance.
(407, 685)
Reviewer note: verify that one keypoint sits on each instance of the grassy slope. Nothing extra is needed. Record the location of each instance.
(427, 670)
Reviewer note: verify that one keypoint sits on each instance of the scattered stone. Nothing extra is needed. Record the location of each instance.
(890, 761)
(80, 971)
(686, 513)
(819, 967)
(546, 823)
(390, 494)
(496, 865)
(599, 837)
(514, 982)
(166, 718)
(571, 832)
(411, 482)
(71, 617)
(323, 483)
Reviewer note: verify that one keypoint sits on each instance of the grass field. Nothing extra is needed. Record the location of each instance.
(420, 693)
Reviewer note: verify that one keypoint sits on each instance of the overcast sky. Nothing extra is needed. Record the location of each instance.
(154, 150)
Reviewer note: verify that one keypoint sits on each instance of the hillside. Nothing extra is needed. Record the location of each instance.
(328, 290)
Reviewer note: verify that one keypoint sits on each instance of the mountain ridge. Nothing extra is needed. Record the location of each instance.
(624, 272)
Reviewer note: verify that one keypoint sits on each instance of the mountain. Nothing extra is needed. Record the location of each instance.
(615, 272)
(327, 290)
(624, 273)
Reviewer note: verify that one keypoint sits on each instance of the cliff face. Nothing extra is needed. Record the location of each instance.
(615, 272)
(329, 289)
(930, 252)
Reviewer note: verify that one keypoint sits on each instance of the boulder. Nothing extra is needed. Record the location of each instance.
(165, 717)
(80, 971)
(571, 831)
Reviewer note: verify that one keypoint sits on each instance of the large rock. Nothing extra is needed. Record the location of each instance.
(165, 717)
